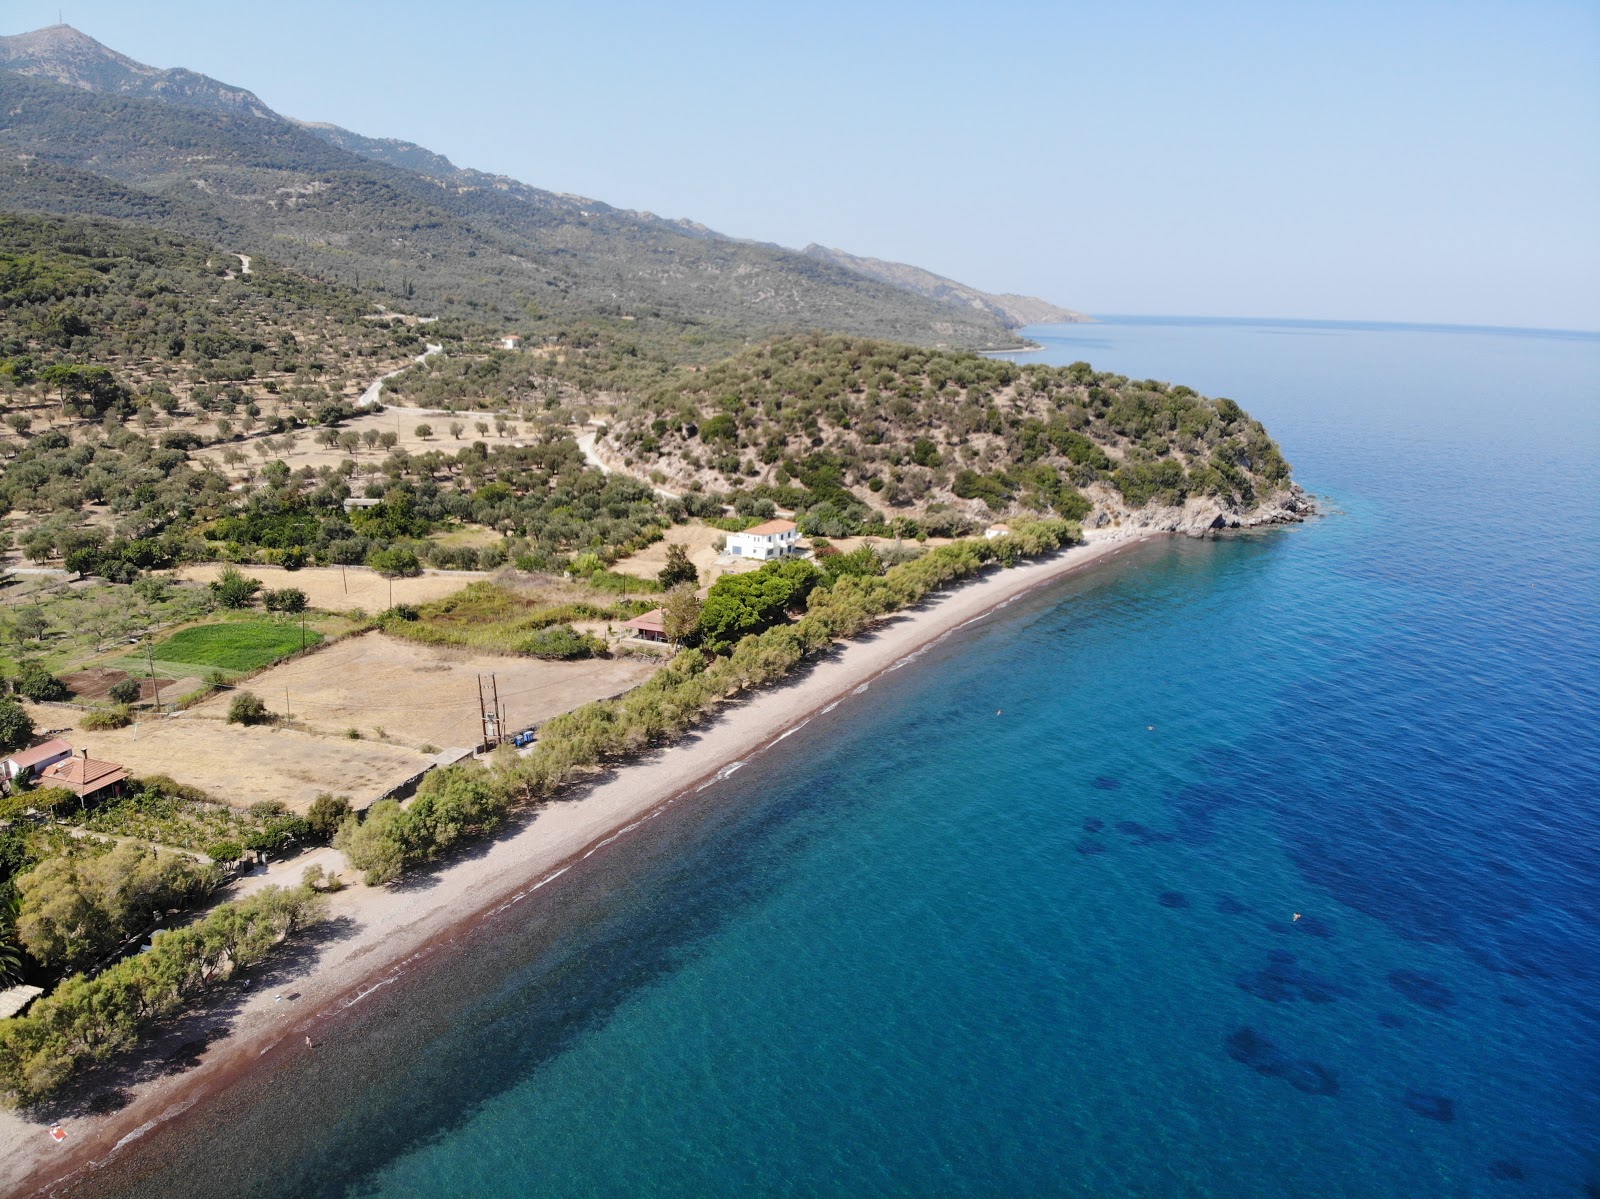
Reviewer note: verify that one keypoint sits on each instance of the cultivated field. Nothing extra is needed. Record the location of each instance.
(422, 695)
(333, 589)
(240, 765)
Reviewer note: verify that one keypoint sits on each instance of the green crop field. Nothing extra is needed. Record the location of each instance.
(241, 646)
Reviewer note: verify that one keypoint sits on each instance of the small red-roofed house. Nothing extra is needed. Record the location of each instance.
(25, 762)
(84, 776)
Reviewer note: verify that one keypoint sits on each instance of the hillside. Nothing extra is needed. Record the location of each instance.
(91, 132)
(878, 433)
(1013, 311)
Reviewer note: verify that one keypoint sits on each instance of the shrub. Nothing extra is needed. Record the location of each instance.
(285, 599)
(561, 642)
(247, 708)
(233, 589)
(99, 719)
(127, 691)
(326, 814)
(224, 853)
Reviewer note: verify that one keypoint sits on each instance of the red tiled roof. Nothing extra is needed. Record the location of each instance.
(83, 775)
(40, 753)
(773, 526)
(653, 621)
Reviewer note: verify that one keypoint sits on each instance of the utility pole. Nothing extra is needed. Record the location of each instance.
(287, 715)
(490, 716)
(149, 660)
(302, 630)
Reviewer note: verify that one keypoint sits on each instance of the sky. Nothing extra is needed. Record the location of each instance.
(1435, 162)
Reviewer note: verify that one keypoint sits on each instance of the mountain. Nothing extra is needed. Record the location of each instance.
(1013, 311)
(89, 131)
(63, 55)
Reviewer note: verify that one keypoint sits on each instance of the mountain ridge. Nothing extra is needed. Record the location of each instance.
(604, 260)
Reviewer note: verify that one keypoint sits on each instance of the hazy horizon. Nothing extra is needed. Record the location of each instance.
(1412, 164)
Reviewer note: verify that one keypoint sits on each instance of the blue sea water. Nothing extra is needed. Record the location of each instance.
(1019, 920)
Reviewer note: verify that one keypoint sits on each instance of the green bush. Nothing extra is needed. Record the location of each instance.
(99, 719)
(247, 708)
(326, 814)
(233, 589)
(224, 853)
(127, 691)
(561, 642)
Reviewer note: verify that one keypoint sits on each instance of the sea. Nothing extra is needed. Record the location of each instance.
(1263, 866)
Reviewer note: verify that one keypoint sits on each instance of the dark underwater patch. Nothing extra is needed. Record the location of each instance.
(1506, 1171)
(1229, 906)
(1282, 980)
(1251, 1048)
(1314, 926)
(1422, 990)
(1391, 1020)
(1089, 848)
(1173, 899)
(1195, 811)
(1435, 1107)
(1093, 824)
(1104, 782)
(1141, 834)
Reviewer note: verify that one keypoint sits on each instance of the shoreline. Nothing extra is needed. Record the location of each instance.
(391, 932)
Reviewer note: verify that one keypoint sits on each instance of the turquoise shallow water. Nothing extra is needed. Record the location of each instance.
(925, 949)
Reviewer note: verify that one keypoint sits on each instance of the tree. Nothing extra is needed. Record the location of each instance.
(376, 845)
(247, 708)
(127, 691)
(16, 726)
(349, 440)
(456, 429)
(326, 814)
(424, 431)
(680, 614)
(395, 562)
(39, 685)
(233, 589)
(285, 599)
(76, 909)
(678, 568)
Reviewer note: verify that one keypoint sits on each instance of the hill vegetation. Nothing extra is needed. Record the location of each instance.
(855, 433)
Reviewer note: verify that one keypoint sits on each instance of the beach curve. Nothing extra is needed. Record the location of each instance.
(393, 932)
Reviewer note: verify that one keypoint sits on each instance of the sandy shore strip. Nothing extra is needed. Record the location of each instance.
(388, 932)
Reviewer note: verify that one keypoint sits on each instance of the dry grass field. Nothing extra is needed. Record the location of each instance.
(697, 538)
(334, 590)
(422, 695)
(242, 766)
(399, 420)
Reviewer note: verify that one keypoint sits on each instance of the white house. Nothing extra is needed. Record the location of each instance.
(994, 531)
(28, 761)
(775, 539)
(511, 341)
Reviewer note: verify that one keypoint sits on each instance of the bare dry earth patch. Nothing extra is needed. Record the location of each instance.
(333, 589)
(421, 695)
